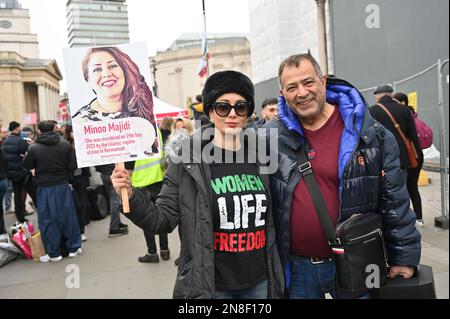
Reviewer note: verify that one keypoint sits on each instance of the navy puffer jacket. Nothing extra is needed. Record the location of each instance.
(376, 187)
(14, 149)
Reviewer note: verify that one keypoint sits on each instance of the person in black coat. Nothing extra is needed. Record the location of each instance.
(14, 149)
(223, 255)
(413, 174)
(383, 95)
(80, 181)
(53, 160)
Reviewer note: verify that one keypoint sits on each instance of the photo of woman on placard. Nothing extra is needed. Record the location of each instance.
(120, 89)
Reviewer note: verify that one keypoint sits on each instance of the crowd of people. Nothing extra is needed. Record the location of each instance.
(245, 232)
(40, 169)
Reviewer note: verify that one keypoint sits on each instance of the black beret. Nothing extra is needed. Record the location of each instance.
(224, 82)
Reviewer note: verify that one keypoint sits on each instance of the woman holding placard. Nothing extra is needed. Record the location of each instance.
(218, 193)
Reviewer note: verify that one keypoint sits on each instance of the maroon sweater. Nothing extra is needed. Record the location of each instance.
(307, 237)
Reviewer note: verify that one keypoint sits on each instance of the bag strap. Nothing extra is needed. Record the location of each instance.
(317, 198)
(396, 125)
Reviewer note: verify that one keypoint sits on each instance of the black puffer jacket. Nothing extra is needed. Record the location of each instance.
(53, 158)
(185, 200)
(14, 149)
(378, 186)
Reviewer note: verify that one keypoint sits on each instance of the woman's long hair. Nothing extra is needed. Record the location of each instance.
(137, 100)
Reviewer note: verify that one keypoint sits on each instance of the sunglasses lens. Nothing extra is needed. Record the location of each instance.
(241, 108)
(222, 109)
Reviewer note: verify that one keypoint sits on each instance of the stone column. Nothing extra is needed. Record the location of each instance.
(48, 103)
(322, 30)
(54, 104)
(41, 100)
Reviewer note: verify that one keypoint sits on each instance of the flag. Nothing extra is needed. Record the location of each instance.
(203, 66)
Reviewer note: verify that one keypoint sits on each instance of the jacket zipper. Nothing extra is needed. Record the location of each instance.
(270, 281)
(343, 225)
(366, 235)
(341, 178)
(188, 167)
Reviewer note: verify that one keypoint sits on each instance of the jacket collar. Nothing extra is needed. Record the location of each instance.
(290, 137)
(386, 99)
(369, 128)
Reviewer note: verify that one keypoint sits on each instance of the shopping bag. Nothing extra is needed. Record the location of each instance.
(19, 238)
(95, 179)
(36, 246)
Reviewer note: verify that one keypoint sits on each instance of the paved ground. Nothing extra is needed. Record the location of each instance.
(109, 268)
(435, 241)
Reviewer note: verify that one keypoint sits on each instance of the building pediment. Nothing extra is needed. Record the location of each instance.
(51, 66)
(54, 69)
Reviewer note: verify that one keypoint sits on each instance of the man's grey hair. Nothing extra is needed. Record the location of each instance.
(295, 60)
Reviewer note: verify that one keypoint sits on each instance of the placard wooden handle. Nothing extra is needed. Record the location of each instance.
(124, 194)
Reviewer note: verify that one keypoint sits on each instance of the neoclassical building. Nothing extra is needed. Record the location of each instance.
(28, 85)
(175, 70)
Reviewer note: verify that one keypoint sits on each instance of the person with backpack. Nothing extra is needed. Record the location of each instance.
(413, 173)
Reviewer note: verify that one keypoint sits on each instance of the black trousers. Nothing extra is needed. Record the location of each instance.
(81, 200)
(153, 191)
(413, 189)
(19, 187)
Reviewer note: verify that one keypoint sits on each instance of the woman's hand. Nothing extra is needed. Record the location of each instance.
(120, 178)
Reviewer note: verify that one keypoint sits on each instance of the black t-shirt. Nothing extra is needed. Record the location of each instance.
(240, 203)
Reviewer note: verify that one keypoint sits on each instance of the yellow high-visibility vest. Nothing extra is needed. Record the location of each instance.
(149, 171)
(198, 107)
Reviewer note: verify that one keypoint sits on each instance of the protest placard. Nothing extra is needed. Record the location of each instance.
(111, 104)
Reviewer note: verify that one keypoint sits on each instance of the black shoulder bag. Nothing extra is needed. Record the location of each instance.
(357, 243)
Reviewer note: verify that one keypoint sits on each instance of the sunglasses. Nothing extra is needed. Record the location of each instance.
(223, 109)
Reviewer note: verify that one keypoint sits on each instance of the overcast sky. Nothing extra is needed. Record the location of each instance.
(157, 22)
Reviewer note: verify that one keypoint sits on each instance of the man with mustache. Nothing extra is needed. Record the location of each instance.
(356, 164)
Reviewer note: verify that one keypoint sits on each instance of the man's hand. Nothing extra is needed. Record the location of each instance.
(120, 178)
(405, 272)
